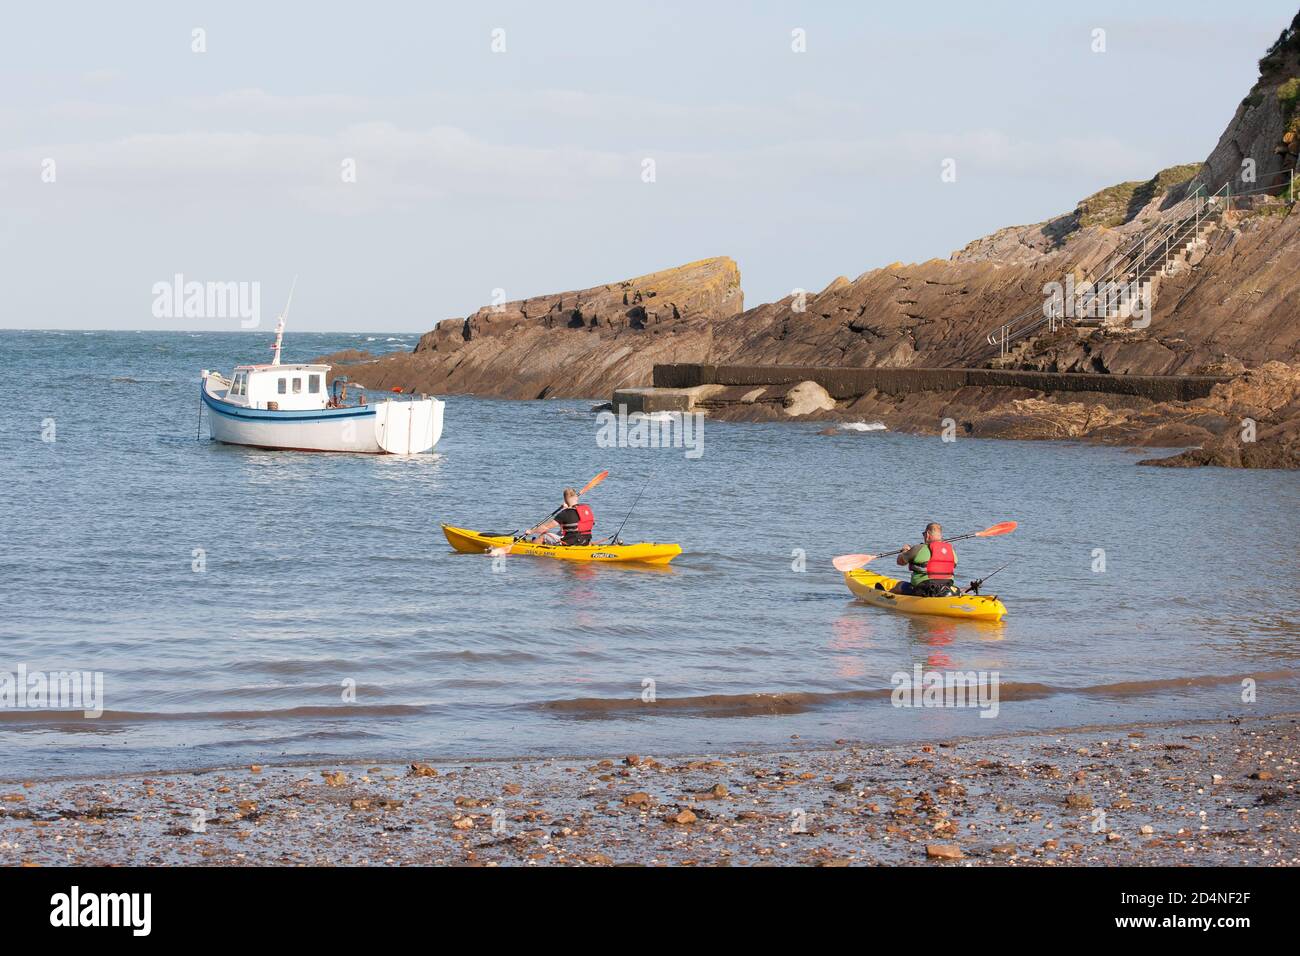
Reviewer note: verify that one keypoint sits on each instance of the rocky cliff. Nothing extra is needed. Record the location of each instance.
(1229, 307)
(568, 344)
(1263, 138)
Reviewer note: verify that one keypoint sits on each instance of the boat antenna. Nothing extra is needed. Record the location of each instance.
(279, 325)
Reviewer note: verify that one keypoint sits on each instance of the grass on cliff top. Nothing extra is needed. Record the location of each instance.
(1116, 205)
(1109, 206)
(1287, 94)
(1283, 52)
(1270, 211)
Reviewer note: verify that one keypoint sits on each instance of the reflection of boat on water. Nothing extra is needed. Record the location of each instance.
(289, 407)
(926, 629)
(940, 642)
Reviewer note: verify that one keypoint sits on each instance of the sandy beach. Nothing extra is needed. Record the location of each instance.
(1205, 793)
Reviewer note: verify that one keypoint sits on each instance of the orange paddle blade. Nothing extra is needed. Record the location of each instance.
(1006, 527)
(849, 562)
(593, 483)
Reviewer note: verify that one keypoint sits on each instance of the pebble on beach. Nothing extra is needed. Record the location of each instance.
(1028, 800)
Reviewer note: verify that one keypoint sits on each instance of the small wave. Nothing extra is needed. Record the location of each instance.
(72, 719)
(706, 705)
(864, 426)
(797, 702)
(656, 416)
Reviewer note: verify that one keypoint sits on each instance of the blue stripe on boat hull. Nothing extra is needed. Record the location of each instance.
(268, 417)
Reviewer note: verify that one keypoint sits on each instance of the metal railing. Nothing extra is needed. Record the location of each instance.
(1133, 263)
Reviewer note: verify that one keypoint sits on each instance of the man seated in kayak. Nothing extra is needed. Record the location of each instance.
(932, 564)
(574, 521)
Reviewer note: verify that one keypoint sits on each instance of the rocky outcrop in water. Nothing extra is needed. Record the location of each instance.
(570, 344)
(1250, 421)
(1262, 412)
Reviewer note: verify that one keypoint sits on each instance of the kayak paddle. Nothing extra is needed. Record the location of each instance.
(501, 549)
(593, 483)
(849, 562)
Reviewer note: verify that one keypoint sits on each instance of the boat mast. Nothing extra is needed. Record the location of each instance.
(279, 326)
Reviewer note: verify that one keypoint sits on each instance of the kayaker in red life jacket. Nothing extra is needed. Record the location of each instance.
(932, 564)
(574, 521)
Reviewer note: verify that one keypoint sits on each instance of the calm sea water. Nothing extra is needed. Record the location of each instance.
(332, 620)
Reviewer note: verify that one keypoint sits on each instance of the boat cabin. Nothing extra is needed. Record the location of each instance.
(288, 388)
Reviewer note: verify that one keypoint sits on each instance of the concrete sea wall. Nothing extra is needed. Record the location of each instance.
(844, 383)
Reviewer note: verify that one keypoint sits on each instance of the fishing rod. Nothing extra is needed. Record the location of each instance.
(614, 539)
(977, 583)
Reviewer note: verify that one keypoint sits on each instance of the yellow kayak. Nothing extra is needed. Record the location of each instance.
(645, 552)
(975, 607)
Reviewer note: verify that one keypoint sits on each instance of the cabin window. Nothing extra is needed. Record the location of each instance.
(297, 386)
(282, 386)
(313, 384)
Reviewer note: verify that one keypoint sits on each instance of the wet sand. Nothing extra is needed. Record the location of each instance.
(1200, 793)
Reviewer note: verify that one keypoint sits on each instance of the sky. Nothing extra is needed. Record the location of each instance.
(413, 162)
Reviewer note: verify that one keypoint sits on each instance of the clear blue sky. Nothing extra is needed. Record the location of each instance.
(522, 170)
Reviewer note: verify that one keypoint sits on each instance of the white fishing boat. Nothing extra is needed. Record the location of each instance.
(293, 408)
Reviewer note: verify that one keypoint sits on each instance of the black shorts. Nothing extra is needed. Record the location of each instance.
(930, 588)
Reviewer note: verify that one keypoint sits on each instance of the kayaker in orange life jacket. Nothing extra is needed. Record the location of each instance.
(932, 564)
(573, 520)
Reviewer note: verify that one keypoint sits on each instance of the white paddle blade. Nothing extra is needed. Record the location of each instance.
(501, 550)
(851, 562)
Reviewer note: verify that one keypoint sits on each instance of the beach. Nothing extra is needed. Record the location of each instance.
(1191, 792)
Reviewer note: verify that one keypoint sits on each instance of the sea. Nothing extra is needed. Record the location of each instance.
(221, 605)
